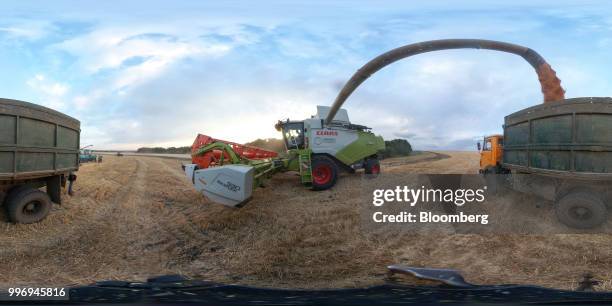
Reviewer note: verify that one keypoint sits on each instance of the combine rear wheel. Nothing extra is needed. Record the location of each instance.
(324, 172)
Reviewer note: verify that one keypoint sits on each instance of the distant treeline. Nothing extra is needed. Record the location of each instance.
(170, 150)
(272, 144)
(394, 148)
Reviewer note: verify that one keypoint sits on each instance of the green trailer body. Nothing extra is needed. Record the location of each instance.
(39, 147)
(36, 141)
(562, 152)
(571, 138)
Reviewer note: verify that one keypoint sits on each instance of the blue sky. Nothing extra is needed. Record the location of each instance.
(156, 73)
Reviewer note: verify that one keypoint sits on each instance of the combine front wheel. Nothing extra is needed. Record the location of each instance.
(324, 172)
(372, 167)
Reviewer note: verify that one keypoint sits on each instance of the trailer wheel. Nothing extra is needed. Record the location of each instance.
(490, 170)
(324, 172)
(581, 210)
(27, 205)
(372, 167)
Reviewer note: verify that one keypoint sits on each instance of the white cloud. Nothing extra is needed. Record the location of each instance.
(83, 101)
(110, 48)
(26, 29)
(51, 92)
(163, 57)
(124, 58)
(20, 32)
(48, 87)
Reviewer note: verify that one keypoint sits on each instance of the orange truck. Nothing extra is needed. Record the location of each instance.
(491, 153)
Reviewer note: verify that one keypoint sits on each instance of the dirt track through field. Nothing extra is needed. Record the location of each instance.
(137, 217)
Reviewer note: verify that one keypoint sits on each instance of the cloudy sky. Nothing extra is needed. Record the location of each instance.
(156, 73)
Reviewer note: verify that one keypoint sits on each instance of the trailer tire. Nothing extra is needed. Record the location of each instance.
(324, 172)
(371, 167)
(581, 210)
(490, 170)
(27, 205)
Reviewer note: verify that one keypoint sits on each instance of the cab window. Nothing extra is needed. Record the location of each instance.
(487, 145)
(294, 135)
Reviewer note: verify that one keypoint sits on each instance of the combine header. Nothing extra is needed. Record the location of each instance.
(208, 151)
(227, 172)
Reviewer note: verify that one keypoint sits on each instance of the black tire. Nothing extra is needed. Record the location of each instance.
(371, 167)
(324, 172)
(581, 210)
(27, 205)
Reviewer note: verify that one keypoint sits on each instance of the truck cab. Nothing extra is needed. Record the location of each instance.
(491, 153)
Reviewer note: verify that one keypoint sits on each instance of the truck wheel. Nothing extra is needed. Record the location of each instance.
(581, 210)
(372, 167)
(324, 172)
(27, 205)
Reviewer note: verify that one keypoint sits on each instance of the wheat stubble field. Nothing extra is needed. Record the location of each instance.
(134, 217)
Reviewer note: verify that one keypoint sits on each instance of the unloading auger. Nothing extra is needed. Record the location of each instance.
(551, 85)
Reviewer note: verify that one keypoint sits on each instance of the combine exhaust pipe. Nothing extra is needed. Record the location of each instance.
(551, 85)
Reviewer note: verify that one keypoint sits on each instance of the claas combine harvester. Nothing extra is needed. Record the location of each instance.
(227, 172)
(319, 147)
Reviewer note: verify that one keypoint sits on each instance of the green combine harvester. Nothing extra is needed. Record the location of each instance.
(227, 172)
(322, 145)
